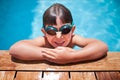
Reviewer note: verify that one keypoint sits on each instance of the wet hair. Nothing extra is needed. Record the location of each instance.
(54, 11)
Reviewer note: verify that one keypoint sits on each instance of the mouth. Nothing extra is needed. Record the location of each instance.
(59, 43)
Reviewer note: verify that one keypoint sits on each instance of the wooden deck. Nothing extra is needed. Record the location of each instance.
(107, 68)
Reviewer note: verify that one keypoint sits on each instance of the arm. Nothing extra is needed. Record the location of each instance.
(92, 49)
(28, 49)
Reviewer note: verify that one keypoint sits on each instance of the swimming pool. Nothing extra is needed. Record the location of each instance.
(22, 19)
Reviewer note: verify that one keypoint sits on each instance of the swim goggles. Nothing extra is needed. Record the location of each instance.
(65, 29)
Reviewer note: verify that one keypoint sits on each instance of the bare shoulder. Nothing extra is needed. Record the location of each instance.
(81, 41)
(39, 41)
(78, 40)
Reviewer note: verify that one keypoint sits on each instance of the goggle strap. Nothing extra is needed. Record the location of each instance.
(72, 23)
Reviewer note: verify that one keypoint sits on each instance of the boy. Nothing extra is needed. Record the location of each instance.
(58, 40)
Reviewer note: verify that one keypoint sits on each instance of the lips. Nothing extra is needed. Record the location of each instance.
(59, 43)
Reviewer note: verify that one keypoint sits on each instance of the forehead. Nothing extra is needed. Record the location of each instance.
(58, 24)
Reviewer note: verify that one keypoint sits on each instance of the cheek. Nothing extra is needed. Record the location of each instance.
(49, 39)
(67, 38)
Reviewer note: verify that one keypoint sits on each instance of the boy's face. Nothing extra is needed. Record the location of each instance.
(59, 39)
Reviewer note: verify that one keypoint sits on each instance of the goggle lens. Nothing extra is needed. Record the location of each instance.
(51, 32)
(65, 29)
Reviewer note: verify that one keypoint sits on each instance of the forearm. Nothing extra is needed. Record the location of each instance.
(25, 51)
(92, 51)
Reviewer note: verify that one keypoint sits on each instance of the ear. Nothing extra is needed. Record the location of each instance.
(43, 31)
(73, 28)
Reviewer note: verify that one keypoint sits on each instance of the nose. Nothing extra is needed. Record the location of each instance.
(58, 34)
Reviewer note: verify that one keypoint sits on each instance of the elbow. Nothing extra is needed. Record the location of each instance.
(15, 52)
(12, 49)
(103, 50)
(15, 49)
(102, 47)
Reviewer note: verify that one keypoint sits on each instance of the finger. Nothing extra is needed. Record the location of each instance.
(50, 50)
(48, 53)
(59, 47)
(48, 57)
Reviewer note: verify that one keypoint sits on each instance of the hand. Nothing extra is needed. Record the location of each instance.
(61, 55)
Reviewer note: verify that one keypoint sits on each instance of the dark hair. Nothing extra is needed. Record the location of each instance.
(49, 17)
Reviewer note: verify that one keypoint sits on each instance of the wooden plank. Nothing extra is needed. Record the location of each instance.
(115, 75)
(55, 76)
(112, 60)
(108, 75)
(82, 76)
(103, 76)
(27, 75)
(7, 75)
(6, 62)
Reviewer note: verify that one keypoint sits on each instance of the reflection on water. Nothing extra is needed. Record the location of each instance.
(93, 19)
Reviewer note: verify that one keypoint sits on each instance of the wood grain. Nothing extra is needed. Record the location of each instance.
(108, 75)
(82, 76)
(28, 75)
(56, 76)
(112, 60)
(7, 75)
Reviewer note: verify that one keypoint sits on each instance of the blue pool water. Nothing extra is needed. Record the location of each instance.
(22, 19)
